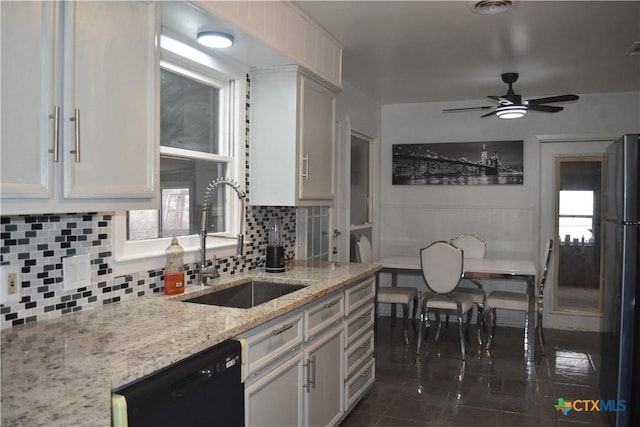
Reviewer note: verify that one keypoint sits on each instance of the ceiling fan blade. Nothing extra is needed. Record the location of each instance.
(551, 99)
(451, 110)
(489, 114)
(544, 108)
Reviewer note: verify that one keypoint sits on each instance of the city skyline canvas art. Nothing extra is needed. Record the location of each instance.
(458, 163)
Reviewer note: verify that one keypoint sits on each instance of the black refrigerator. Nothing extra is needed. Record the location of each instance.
(620, 367)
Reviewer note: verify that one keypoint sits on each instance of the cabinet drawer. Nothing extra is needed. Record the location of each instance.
(359, 294)
(359, 322)
(358, 353)
(272, 341)
(356, 387)
(324, 314)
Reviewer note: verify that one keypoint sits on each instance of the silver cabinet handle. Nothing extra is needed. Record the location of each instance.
(307, 383)
(281, 329)
(311, 374)
(56, 133)
(76, 119)
(312, 362)
(331, 304)
(305, 167)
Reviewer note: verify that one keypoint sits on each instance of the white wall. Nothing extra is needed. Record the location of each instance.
(507, 216)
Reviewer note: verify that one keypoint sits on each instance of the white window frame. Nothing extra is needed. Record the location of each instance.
(135, 256)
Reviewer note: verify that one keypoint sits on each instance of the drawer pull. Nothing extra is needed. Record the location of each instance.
(365, 345)
(282, 329)
(331, 304)
(364, 316)
(365, 373)
(365, 286)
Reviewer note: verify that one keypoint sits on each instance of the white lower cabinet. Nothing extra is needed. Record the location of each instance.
(275, 397)
(311, 366)
(325, 376)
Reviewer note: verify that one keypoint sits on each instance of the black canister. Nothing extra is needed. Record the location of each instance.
(275, 251)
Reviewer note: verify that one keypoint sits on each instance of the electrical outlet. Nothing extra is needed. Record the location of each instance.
(12, 283)
(10, 290)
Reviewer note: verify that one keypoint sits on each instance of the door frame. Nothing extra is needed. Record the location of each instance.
(553, 146)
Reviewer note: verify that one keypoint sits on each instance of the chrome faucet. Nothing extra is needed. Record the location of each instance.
(212, 272)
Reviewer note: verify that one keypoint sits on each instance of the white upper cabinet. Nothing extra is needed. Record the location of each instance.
(79, 106)
(292, 139)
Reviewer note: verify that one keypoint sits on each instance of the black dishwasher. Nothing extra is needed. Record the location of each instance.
(203, 390)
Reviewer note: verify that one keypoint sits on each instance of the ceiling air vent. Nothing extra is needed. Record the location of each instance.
(634, 49)
(490, 7)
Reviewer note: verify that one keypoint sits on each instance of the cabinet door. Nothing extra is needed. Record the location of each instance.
(28, 77)
(275, 399)
(110, 86)
(325, 379)
(317, 136)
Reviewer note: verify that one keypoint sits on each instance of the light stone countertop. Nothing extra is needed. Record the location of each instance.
(61, 372)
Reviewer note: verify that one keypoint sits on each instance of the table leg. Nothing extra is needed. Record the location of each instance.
(529, 328)
(394, 282)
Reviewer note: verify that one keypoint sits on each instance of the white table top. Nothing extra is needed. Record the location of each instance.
(471, 265)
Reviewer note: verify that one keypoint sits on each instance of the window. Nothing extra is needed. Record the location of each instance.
(576, 217)
(199, 142)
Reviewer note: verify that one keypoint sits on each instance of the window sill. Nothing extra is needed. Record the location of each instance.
(132, 262)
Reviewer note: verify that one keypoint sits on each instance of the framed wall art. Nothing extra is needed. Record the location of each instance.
(458, 163)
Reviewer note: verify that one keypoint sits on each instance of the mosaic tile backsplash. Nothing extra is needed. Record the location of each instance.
(37, 245)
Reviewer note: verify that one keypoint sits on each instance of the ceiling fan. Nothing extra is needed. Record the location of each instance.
(511, 105)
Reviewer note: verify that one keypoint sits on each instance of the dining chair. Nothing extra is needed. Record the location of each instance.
(473, 247)
(403, 295)
(516, 301)
(442, 267)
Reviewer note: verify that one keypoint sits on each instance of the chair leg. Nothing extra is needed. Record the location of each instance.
(405, 322)
(466, 327)
(461, 331)
(438, 325)
(416, 301)
(419, 335)
(479, 324)
(540, 334)
(489, 322)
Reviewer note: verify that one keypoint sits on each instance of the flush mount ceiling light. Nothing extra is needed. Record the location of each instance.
(511, 111)
(215, 39)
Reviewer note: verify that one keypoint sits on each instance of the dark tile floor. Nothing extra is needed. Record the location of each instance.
(490, 389)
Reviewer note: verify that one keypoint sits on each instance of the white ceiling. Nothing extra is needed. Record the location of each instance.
(426, 51)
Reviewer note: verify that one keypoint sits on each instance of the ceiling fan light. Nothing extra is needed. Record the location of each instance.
(215, 39)
(511, 111)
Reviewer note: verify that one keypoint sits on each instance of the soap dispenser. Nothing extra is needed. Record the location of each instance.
(275, 250)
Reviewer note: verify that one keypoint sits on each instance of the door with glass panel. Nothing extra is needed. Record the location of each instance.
(360, 209)
(579, 216)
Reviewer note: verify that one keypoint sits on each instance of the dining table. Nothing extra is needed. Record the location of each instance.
(513, 270)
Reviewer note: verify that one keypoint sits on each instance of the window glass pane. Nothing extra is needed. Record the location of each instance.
(359, 181)
(576, 203)
(183, 183)
(143, 224)
(189, 114)
(576, 229)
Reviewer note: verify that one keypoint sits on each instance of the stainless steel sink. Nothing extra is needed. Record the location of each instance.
(246, 295)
